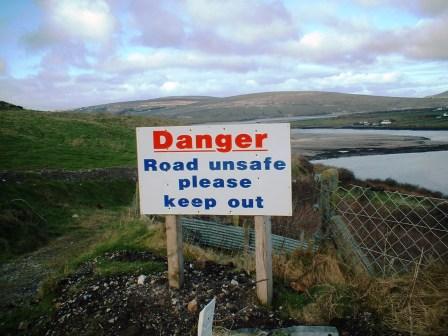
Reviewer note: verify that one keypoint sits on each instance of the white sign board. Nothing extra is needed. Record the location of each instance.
(205, 324)
(215, 169)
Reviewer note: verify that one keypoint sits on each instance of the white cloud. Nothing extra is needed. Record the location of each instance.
(330, 47)
(258, 24)
(419, 7)
(107, 50)
(66, 21)
(251, 82)
(426, 7)
(82, 18)
(351, 78)
(312, 40)
(169, 86)
(426, 40)
(158, 23)
(162, 59)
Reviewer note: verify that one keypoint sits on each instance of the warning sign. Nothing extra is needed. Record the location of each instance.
(215, 169)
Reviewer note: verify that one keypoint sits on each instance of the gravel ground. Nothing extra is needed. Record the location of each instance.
(120, 305)
(142, 304)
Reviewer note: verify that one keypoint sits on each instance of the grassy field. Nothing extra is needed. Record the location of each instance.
(37, 140)
(33, 209)
(408, 119)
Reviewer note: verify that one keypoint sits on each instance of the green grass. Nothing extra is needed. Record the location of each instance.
(123, 234)
(408, 119)
(36, 140)
(35, 210)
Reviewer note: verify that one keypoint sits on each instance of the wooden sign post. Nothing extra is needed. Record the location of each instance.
(174, 251)
(263, 258)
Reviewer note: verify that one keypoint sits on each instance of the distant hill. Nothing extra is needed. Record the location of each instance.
(440, 95)
(264, 105)
(8, 106)
(144, 106)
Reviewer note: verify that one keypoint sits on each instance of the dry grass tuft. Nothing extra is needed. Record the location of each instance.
(241, 261)
(304, 270)
(420, 308)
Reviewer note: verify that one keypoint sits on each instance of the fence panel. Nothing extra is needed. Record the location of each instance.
(235, 238)
(393, 229)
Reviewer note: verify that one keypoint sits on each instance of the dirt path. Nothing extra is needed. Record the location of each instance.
(21, 278)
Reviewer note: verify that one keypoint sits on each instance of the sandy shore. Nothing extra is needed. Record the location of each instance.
(323, 146)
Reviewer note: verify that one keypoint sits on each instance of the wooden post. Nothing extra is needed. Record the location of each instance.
(236, 220)
(263, 258)
(174, 251)
(329, 183)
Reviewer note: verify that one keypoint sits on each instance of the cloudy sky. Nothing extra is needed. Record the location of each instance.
(58, 54)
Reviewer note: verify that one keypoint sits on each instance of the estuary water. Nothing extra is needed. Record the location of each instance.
(425, 169)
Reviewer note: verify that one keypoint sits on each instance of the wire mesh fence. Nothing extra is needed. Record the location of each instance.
(387, 232)
(391, 231)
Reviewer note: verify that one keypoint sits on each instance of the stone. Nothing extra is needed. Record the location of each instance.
(192, 306)
(141, 279)
(234, 282)
(23, 325)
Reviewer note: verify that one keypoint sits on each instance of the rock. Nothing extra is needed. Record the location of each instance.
(75, 216)
(141, 279)
(112, 320)
(192, 306)
(234, 282)
(23, 325)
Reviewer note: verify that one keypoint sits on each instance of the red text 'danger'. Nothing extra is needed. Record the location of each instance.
(165, 141)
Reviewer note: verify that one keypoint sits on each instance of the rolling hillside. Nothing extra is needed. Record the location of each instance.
(37, 140)
(145, 106)
(265, 105)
